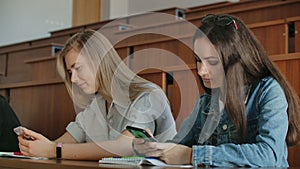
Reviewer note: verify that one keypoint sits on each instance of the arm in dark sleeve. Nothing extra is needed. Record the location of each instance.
(8, 121)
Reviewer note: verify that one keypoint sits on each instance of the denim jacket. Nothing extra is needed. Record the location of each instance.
(267, 125)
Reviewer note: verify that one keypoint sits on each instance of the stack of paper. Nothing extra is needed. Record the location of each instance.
(19, 155)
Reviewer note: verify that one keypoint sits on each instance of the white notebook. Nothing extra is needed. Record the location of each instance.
(138, 161)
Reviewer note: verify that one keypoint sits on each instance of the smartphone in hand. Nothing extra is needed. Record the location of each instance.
(140, 133)
(20, 131)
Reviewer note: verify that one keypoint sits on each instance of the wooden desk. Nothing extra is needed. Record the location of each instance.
(18, 163)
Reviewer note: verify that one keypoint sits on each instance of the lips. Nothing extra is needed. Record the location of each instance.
(81, 85)
(206, 79)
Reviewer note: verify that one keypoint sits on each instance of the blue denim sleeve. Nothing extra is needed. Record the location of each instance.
(270, 148)
(186, 125)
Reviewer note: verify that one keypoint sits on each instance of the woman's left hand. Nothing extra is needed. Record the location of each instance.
(171, 153)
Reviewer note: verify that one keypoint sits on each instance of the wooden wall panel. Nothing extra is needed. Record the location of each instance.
(161, 54)
(43, 69)
(85, 12)
(251, 11)
(297, 36)
(280, 11)
(293, 156)
(282, 66)
(293, 76)
(46, 109)
(184, 94)
(123, 53)
(173, 92)
(3, 64)
(17, 68)
(59, 41)
(289, 66)
(15, 47)
(275, 32)
(153, 77)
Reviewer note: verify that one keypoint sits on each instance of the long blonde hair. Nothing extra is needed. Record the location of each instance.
(115, 79)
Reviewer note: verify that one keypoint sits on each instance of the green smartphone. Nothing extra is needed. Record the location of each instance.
(140, 133)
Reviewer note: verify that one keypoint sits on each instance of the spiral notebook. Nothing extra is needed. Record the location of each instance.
(136, 161)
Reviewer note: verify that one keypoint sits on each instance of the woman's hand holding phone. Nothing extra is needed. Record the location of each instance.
(141, 133)
(20, 132)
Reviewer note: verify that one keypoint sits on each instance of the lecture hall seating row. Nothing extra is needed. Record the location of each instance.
(28, 76)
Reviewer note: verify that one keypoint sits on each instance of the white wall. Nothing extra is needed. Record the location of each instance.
(119, 8)
(139, 6)
(23, 20)
(112, 9)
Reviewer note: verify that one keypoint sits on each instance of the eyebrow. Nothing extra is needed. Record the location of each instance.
(210, 57)
(207, 58)
(197, 58)
(72, 66)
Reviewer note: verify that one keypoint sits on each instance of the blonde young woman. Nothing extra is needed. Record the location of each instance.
(109, 97)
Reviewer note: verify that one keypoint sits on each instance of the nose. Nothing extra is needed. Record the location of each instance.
(202, 70)
(74, 77)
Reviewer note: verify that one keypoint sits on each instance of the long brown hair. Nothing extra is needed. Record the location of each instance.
(246, 62)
